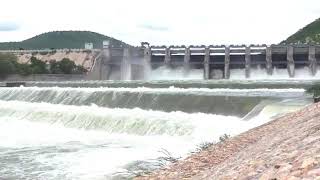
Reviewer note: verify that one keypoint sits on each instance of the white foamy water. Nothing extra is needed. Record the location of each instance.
(171, 90)
(164, 73)
(278, 74)
(53, 141)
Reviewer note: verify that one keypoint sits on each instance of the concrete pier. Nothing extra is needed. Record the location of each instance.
(126, 65)
(167, 57)
(206, 64)
(186, 61)
(147, 62)
(101, 68)
(269, 60)
(227, 63)
(248, 61)
(312, 60)
(290, 61)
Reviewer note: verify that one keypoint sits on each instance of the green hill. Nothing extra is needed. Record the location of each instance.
(61, 40)
(308, 34)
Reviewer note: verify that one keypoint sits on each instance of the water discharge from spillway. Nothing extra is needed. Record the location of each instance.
(93, 133)
(178, 73)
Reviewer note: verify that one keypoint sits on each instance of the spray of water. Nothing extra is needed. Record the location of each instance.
(278, 74)
(165, 73)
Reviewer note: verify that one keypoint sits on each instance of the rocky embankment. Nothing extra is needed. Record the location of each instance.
(83, 58)
(286, 148)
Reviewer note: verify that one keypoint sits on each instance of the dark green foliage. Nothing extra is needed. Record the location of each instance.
(204, 146)
(87, 51)
(38, 66)
(53, 51)
(224, 137)
(79, 70)
(24, 69)
(308, 34)
(43, 53)
(10, 65)
(314, 90)
(6, 67)
(7, 64)
(54, 68)
(61, 40)
(67, 66)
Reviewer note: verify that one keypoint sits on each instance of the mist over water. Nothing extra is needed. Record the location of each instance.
(261, 74)
(178, 73)
(164, 73)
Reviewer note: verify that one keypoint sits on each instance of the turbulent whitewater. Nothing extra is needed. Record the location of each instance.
(109, 132)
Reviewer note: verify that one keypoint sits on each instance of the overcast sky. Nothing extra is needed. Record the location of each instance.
(161, 22)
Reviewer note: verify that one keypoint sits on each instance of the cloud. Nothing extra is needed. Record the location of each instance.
(8, 26)
(153, 27)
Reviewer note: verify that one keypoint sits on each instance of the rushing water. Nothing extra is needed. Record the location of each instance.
(114, 128)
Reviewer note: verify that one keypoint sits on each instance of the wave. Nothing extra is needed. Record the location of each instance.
(129, 121)
(234, 102)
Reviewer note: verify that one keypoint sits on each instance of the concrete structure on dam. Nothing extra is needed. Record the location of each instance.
(132, 63)
(216, 62)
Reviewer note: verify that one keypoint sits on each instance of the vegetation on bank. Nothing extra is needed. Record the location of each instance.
(9, 65)
(62, 40)
(308, 34)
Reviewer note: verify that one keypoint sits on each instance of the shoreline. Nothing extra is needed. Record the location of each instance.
(268, 151)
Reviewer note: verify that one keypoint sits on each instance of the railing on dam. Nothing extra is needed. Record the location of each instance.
(211, 59)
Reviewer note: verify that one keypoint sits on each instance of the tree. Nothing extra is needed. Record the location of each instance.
(38, 66)
(7, 64)
(6, 67)
(55, 67)
(24, 69)
(80, 70)
(67, 66)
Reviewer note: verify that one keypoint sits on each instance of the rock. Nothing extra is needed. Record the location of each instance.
(314, 172)
(308, 163)
(293, 178)
(277, 166)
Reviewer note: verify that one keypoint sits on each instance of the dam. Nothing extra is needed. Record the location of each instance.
(106, 129)
(215, 62)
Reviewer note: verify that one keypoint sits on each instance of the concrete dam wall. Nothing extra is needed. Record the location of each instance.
(215, 62)
(209, 62)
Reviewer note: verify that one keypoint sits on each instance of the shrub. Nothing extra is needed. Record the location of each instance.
(53, 51)
(79, 70)
(67, 66)
(204, 146)
(24, 69)
(6, 67)
(38, 66)
(55, 67)
(224, 137)
(44, 53)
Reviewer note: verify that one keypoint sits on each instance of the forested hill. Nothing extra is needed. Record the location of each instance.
(308, 34)
(61, 40)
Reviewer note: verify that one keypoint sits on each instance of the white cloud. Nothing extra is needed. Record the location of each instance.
(166, 21)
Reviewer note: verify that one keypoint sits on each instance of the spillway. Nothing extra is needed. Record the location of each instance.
(83, 132)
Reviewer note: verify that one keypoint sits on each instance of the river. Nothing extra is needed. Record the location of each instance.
(114, 129)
